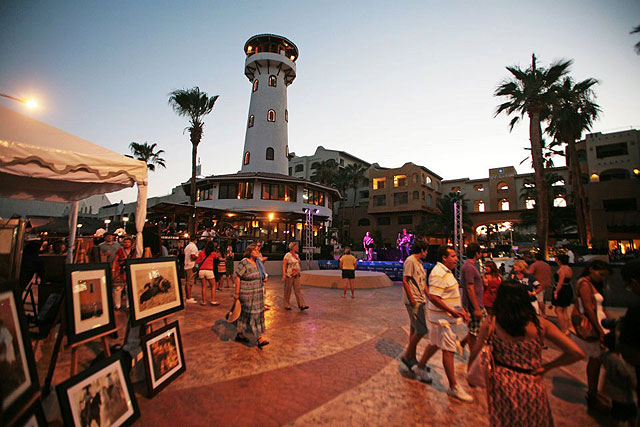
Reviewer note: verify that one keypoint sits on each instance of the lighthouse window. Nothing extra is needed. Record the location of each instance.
(255, 85)
(286, 116)
(251, 121)
(269, 153)
(273, 81)
(284, 192)
(246, 158)
(271, 115)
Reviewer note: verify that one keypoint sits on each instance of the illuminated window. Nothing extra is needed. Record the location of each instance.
(246, 158)
(251, 117)
(287, 153)
(455, 189)
(416, 195)
(284, 192)
(529, 185)
(271, 115)
(236, 190)
(270, 153)
(503, 186)
(479, 206)
(378, 183)
(478, 187)
(560, 202)
(313, 197)
(286, 116)
(558, 183)
(255, 85)
(530, 203)
(428, 181)
(273, 81)
(503, 205)
(399, 180)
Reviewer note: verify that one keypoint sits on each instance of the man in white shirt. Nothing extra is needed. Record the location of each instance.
(445, 314)
(190, 256)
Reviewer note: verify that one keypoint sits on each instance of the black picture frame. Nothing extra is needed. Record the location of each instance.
(94, 318)
(147, 279)
(167, 335)
(34, 415)
(108, 388)
(18, 370)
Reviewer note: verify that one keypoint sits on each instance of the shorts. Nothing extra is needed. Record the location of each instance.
(205, 274)
(565, 296)
(417, 318)
(348, 274)
(623, 411)
(475, 322)
(443, 337)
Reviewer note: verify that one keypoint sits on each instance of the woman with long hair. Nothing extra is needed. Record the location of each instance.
(562, 292)
(589, 302)
(206, 274)
(492, 280)
(516, 394)
(249, 291)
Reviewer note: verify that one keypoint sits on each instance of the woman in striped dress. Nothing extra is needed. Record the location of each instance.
(250, 291)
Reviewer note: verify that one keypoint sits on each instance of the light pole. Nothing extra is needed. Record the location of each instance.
(106, 224)
(125, 219)
(29, 102)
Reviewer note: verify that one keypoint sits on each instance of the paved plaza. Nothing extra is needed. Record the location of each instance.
(335, 364)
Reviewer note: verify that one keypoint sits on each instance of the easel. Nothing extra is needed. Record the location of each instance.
(20, 413)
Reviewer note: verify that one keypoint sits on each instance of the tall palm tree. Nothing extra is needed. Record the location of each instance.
(531, 92)
(147, 154)
(561, 219)
(637, 46)
(194, 104)
(548, 151)
(325, 172)
(442, 223)
(572, 114)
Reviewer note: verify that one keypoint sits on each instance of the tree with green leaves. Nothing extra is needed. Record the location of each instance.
(442, 223)
(572, 114)
(325, 172)
(531, 92)
(148, 154)
(194, 104)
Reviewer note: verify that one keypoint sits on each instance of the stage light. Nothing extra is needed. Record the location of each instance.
(316, 211)
(270, 216)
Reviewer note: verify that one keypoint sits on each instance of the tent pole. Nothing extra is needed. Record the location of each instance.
(73, 225)
(141, 216)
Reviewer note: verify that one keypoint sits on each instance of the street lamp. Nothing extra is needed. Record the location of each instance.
(106, 224)
(29, 102)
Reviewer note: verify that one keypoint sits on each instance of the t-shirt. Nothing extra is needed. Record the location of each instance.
(529, 282)
(443, 283)
(292, 263)
(109, 250)
(469, 274)
(348, 262)
(413, 268)
(191, 249)
(542, 272)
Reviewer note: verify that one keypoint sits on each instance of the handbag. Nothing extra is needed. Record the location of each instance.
(581, 323)
(482, 365)
(196, 267)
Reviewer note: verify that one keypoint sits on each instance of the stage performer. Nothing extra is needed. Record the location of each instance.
(404, 241)
(368, 246)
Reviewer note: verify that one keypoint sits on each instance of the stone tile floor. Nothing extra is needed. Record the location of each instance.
(335, 364)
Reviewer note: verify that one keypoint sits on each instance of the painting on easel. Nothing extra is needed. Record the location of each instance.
(154, 288)
(89, 302)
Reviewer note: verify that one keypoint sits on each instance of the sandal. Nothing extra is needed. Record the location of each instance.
(214, 303)
(204, 304)
(262, 343)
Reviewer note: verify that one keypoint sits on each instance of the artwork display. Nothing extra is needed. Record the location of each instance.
(32, 417)
(163, 357)
(102, 395)
(154, 288)
(89, 302)
(19, 380)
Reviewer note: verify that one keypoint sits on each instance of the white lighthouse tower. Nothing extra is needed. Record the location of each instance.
(270, 67)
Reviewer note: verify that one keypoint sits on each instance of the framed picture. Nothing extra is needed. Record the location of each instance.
(163, 357)
(102, 395)
(89, 302)
(19, 379)
(32, 417)
(154, 288)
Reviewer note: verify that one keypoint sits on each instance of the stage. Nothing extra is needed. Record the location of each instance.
(393, 269)
(333, 279)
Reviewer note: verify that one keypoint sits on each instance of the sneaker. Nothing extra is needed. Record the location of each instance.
(422, 374)
(459, 393)
(192, 300)
(409, 363)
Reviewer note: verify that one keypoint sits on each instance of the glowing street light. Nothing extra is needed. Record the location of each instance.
(29, 102)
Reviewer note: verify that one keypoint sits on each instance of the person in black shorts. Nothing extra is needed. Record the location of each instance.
(562, 292)
(348, 265)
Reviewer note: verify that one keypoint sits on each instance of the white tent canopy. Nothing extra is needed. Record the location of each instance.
(40, 162)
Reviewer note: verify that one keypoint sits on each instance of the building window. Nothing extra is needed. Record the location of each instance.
(416, 195)
(378, 183)
(614, 175)
(290, 171)
(415, 178)
(405, 220)
(300, 168)
(205, 193)
(560, 202)
(503, 186)
(247, 155)
(612, 150)
(271, 115)
(255, 85)
(284, 192)
(429, 200)
(315, 165)
(529, 185)
(273, 81)
(341, 162)
(529, 203)
(384, 220)
(270, 153)
(558, 183)
(364, 222)
(400, 198)
(399, 181)
(423, 196)
(235, 190)
(503, 204)
(286, 153)
(478, 187)
(364, 194)
(428, 181)
(286, 116)
(250, 124)
(479, 206)
(380, 200)
(313, 197)
(455, 189)
(620, 205)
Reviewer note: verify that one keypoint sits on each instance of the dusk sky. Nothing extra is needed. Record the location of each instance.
(389, 82)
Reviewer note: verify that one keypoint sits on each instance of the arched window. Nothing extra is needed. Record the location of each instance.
(255, 85)
(428, 181)
(415, 178)
(478, 187)
(286, 116)
(530, 203)
(271, 115)
(503, 204)
(429, 200)
(455, 189)
(273, 81)
(560, 202)
(416, 195)
(287, 152)
(251, 117)
(270, 153)
(558, 183)
(479, 206)
(503, 186)
(246, 158)
(364, 222)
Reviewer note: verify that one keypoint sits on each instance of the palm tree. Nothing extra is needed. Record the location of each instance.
(572, 114)
(548, 151)
(146, 153)
(325, 172)
(637, 46)
(194, 104)
(531, 92)
(561, 219)
(442, 223)
(355, 173)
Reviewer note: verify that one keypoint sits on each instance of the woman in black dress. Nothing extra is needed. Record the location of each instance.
(562, 292)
